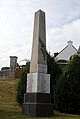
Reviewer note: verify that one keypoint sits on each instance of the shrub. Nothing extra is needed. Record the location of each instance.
(54, 70)
(67, 90)
(21, 88)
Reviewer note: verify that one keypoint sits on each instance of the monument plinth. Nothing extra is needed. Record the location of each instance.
(37, 100)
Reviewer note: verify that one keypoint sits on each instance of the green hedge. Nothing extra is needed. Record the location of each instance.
(21, 88)
(67, 90)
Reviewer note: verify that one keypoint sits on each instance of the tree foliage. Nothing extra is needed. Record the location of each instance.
(54, 70)
(67, 90)
(21, 88)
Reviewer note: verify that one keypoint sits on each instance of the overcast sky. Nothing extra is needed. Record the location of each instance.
(16, 26)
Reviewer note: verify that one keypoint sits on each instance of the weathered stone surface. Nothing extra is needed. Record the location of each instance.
(37, 104)
(38, 82)
(37, 100)
(38, 109)
(39, 42)
(42, 68)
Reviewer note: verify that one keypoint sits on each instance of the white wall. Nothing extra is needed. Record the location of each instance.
(67, 52)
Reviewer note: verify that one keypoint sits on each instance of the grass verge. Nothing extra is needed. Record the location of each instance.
(9, 109)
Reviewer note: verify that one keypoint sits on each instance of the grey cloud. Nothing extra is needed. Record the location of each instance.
(16, 25)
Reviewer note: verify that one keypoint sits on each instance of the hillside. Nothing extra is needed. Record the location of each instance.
(9, 109)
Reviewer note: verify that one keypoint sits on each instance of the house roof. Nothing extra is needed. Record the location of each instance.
(68, 51)
(67, 46)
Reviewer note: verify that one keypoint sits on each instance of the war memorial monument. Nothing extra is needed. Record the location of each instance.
(37, 99)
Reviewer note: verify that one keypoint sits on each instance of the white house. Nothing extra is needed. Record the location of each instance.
(66, 53)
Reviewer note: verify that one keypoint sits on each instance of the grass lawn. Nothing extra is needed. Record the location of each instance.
(9, 108)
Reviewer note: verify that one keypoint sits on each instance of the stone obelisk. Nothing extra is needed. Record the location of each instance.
(37, 100)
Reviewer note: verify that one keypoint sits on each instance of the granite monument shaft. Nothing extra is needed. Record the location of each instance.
(37, 99)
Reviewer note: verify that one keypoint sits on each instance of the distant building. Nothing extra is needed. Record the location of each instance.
(4, 73)
(12, 72)
(63, 57)
(67, 52)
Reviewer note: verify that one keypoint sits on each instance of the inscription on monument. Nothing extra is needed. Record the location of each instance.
(31, 82)
(44, 81)
(42, 68)
(38, 82)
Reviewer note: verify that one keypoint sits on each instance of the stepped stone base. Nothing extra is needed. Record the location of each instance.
(37, 105)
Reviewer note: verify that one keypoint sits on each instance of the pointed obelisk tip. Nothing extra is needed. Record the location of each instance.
(40, 11)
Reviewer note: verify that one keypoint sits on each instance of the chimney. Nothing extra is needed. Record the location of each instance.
(13, 61)
(70, 43)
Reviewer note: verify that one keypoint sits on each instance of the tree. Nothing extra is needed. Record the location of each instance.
(54, 70)
(67, 90)
(21, 88)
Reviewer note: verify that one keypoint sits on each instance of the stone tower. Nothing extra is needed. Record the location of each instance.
(13, 65)
(13, 61)
(37, 100)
